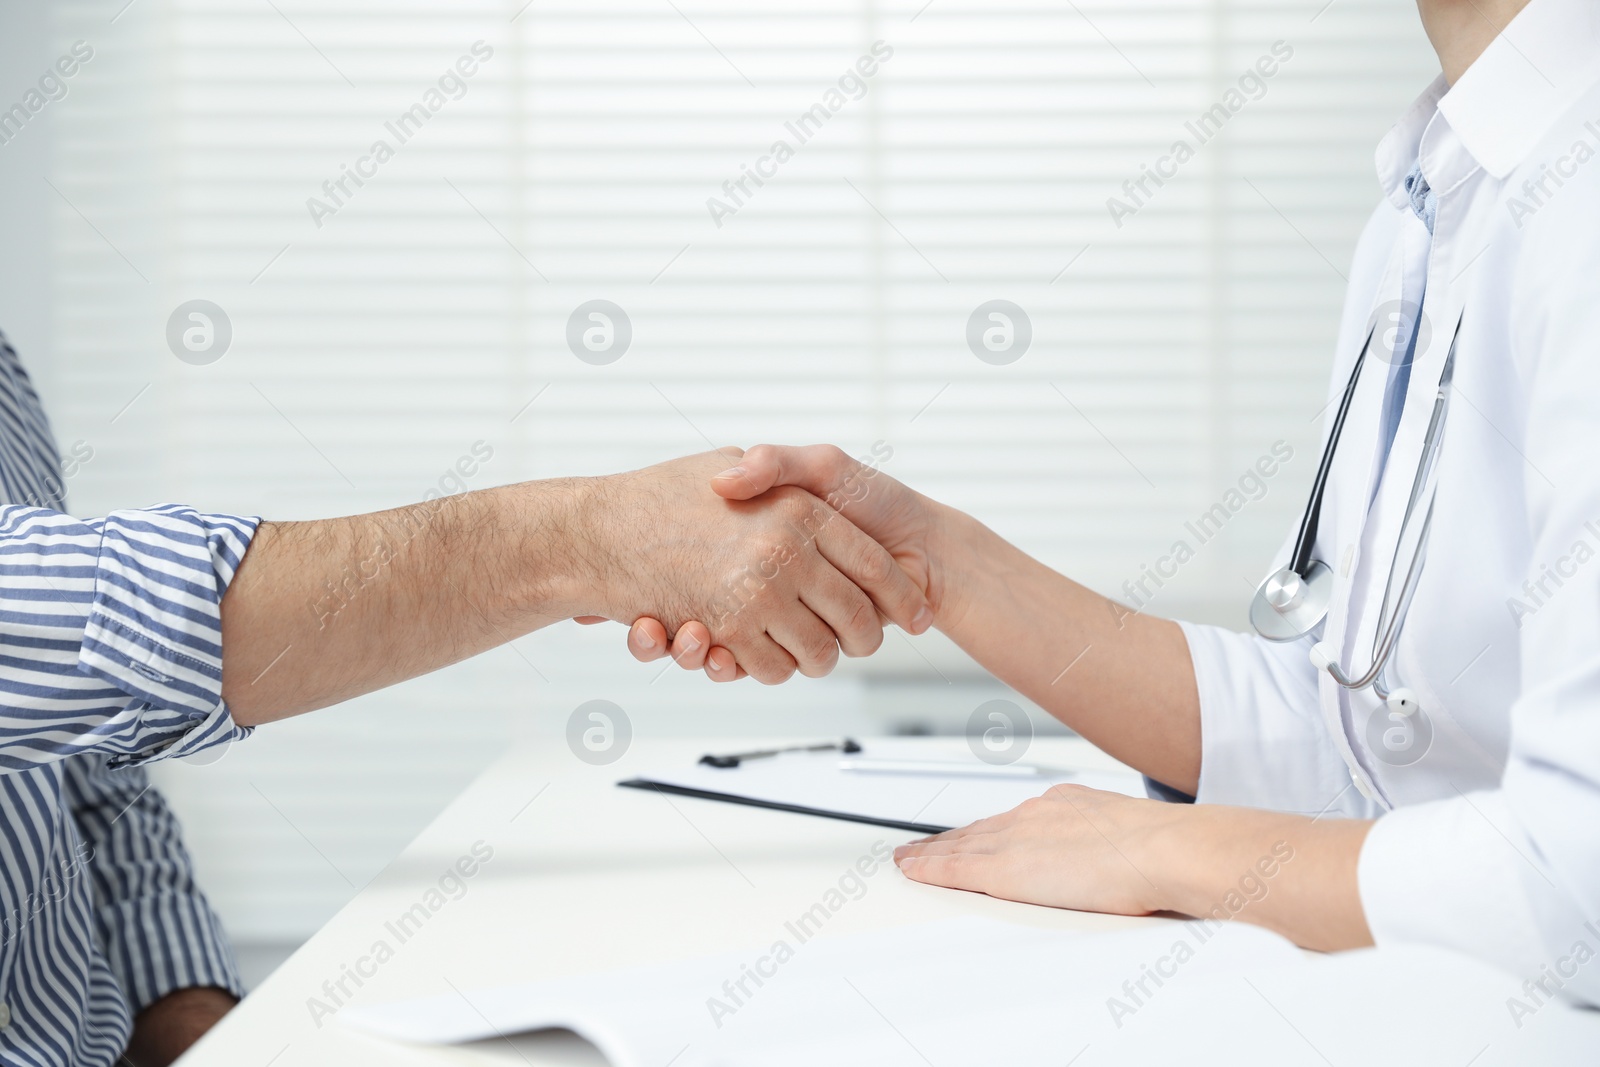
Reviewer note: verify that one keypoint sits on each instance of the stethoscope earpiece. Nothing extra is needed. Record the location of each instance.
(1402, 701)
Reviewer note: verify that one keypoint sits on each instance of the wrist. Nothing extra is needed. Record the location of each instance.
(954, 553)
(565, 559)
(1177, 848)
(1238, 863)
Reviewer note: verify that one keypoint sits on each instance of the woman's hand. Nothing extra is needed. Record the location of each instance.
(1089, 850)
(902, 521)
(1072, 847)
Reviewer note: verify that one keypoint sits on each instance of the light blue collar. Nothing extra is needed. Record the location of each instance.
(1423, 200)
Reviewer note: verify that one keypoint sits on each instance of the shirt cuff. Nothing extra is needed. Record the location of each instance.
(1446, 873)
(169, 941)
(1156, 791)
(155, 625)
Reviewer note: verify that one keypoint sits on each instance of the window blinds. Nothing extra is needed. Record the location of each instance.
(802, 219)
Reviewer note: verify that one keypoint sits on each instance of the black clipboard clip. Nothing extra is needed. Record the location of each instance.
(732, 760)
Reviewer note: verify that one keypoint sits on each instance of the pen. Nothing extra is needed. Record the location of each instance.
(951, 768)
(736, 758)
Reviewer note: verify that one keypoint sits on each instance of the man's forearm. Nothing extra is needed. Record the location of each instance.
(1123, 680)
(323, 611)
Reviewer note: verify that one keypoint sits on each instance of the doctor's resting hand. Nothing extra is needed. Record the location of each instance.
(1121, 679)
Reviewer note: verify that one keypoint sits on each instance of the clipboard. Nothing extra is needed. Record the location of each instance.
(778, 805)
(809, 781)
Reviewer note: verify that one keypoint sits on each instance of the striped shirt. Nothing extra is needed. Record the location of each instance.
(110, 656)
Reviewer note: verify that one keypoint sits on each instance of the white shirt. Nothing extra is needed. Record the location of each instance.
(1488, 833)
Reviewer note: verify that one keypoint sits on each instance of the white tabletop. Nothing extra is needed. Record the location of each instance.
(586, 877)
(583, 877)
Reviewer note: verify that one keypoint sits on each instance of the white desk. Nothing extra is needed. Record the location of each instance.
(588, 877)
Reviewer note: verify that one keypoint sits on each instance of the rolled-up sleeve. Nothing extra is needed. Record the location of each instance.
(1263, 741)
(111, 633)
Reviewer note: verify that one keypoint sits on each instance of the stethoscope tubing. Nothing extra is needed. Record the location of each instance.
(1389, 625)
(1432, 442)
(1305, 542)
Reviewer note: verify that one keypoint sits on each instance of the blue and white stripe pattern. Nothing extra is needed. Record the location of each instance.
(110, 656)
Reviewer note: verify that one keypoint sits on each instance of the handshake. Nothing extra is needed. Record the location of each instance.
(764, 563)
(754, 564)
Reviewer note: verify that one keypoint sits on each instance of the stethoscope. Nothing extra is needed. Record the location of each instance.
(1293, 601)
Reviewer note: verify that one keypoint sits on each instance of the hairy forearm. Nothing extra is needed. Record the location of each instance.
(1124, 681)
(323, 611)
(1292, 874)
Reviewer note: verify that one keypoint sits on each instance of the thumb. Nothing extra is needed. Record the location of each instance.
(818, 469)
(747, 480)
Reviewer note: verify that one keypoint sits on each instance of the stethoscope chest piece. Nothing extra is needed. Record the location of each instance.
(1290, 605)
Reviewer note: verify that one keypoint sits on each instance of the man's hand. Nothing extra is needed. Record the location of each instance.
(165, 1030)
(902, 521)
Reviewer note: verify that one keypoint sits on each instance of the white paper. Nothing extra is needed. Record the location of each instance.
(814, 780)
(959, 991)
(976, 993)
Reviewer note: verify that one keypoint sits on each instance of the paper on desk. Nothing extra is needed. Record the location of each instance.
(968, 991)
(814, 780)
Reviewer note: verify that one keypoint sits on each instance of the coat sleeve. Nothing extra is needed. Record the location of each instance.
(1512, 874)
(1263, 741)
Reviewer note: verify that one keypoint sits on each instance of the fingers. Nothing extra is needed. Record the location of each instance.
(691, 649)
(869, 565)
(957, 859)
(961, 870)
(590, 620)
(721, 666)
(990, 825)
(647, 640)
(818, 469)
(764, 659)
(808, 639)
(977, 844)
(690, 646)
(846, 610)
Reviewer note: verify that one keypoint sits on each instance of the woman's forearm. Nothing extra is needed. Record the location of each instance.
(1289, 873)
(1121, 679)
(1125, 682)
